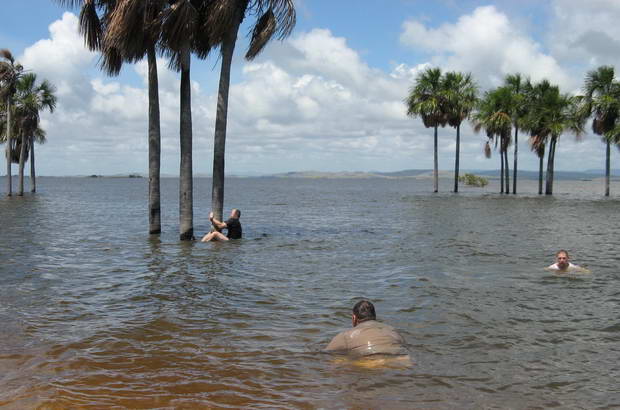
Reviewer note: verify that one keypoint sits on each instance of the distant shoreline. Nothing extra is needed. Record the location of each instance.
(584, 176)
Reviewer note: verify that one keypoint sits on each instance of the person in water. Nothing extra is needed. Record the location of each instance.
(232, 225)
(562, 262)
(368, 336)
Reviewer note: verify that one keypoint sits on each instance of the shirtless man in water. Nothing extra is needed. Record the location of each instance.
(562, 263)
(368, 336)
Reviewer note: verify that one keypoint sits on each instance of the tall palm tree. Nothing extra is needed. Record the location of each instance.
(10, 72)
(181, 34)
(274, 18)
(518, 87)
(127, 31)
(426, 100)
(602, 102)
(133, 33)
(551, 114)
(30, 98)
(537, 145)
(493, 115)
(460, 94)
(38, 137)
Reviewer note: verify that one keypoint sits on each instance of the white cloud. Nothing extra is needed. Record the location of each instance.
(311, 102)
(487, 44)
(586, 33)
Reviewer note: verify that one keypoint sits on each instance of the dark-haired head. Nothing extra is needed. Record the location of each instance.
(237, 213)
(364, 310)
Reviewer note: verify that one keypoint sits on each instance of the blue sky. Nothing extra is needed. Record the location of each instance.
(329, 98)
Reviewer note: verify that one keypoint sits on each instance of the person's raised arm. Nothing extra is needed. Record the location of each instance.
(217, 224)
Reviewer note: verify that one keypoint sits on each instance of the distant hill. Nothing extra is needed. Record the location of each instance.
(428, 173)
(407, 173)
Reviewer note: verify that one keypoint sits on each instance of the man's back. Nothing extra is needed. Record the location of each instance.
(234, 228)
(368, 338)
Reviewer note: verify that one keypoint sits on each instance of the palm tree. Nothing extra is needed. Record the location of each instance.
(10, 72)
(426, 100)
(518, 87)
(538, 146)
(275, 18)
(132, 33)
(550, 115)
(181, 35)
(602, 101)
(460, 94)
(127, 31)
(38, 137)
(493, 115)
(30, 98)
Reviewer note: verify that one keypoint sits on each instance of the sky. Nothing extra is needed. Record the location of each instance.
(328, 98)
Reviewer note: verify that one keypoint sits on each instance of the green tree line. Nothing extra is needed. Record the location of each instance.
(540, 110)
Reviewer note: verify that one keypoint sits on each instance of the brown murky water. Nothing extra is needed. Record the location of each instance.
(96, 314)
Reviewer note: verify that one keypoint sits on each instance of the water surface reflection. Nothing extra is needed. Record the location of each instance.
(97, 314)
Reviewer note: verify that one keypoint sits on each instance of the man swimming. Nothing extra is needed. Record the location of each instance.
(232, 225)
(368, 336)
(563, 264)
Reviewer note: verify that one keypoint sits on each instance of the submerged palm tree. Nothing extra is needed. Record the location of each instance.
(426, 100)
(274, 18)
(180, 24)
(30, 98)
(132, 34)
(493, 115)
(602, 102)
(550, 115)
(518, 88)
(10, 72)
(537, 146)
(460, 96)
(127, 31)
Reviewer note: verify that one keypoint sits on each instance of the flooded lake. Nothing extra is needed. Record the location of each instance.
(97, 313)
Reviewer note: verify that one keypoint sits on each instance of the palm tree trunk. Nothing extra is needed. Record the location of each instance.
(33, 178)
(607, 168)
(501, 173)
(456, 164)
(435, 164)
(186, 189)
(221, 119)
(514, 175)
(550, 163)
(507, 169)
(9, 188)
(154, 146)
(540, 173)
(22, 162)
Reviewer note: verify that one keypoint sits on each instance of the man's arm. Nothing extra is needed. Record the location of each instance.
(217, 224)
(338, 343)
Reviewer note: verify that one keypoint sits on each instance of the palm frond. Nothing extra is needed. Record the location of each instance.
(90, 25)
(262, 33)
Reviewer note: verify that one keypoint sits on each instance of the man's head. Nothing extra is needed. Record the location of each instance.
(235, 213)
(363, 311)
(561, 259)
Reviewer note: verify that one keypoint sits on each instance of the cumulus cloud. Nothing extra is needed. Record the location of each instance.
(311, 102)
(586, 32)
(485, 43)
(99, 122)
